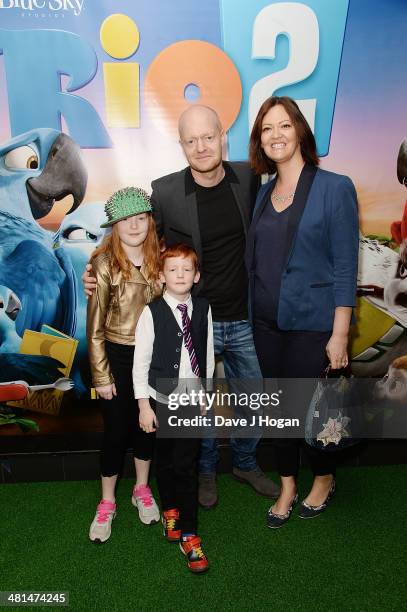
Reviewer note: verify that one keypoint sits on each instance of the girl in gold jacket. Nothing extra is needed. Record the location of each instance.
(126, 269)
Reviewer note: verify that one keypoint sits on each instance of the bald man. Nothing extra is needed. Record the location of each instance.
(208, 206)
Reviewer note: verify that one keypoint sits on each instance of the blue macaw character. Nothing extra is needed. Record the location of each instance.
(79, 234)
(80, 231)
(37, 169)
(33, 369)
(10, 306)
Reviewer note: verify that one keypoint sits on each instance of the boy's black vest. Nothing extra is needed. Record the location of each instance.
(168, 339)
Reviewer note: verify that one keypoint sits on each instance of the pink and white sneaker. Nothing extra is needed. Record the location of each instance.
(144, 501)
(101, 526)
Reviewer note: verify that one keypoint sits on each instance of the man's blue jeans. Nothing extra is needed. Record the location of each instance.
(233, 340)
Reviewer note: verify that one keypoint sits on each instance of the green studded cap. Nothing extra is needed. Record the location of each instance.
(126, 202)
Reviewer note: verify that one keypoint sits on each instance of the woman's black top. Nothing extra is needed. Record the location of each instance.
(270, 243)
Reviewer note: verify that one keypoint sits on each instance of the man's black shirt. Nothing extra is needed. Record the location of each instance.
(223, 247)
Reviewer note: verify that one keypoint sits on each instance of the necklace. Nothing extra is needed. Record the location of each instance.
(281, 198)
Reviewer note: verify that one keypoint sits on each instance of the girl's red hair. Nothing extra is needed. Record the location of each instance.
(111, 245)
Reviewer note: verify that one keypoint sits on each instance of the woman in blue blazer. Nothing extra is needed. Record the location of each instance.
(302, 256)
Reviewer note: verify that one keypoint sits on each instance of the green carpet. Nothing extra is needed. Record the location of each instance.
(351, 558)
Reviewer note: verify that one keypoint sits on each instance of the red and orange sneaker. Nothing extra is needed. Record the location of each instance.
(196, 558)
(170, 520)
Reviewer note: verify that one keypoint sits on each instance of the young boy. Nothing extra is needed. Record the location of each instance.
(174, 340)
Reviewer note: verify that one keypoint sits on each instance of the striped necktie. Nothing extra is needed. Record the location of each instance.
(186, 325)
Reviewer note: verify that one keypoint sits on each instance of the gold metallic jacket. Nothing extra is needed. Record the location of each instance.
(113, 311)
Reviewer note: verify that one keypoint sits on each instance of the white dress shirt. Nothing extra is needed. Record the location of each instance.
(143, 352)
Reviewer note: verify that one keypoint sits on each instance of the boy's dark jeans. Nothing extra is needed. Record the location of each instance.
(177, 477)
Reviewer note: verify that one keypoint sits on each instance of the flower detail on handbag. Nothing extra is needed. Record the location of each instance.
(334, 430)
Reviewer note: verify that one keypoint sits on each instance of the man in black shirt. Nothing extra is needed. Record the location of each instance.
(208, 206)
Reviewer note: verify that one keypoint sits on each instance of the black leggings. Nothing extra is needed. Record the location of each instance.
(121, 415)
(293, 354)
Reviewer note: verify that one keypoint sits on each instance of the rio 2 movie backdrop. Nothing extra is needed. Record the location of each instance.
(90, 93)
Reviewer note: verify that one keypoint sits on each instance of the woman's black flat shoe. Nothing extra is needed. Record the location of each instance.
(275, 520)
(307, 511)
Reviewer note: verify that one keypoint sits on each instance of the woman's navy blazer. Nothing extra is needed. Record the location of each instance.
(321, 255)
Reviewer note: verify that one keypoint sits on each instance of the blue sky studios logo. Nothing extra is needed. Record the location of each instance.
(75, 6)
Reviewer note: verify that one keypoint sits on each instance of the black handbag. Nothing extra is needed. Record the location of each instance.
(333, 417)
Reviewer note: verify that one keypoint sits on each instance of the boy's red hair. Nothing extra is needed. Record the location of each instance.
(179, 250)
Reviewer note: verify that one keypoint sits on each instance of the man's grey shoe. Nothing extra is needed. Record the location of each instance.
(258, 480)
(207, 492)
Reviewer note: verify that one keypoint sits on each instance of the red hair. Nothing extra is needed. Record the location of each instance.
(179, 250)
(112, 246)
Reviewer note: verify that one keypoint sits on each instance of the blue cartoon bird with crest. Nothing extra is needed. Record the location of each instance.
(37, 169)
